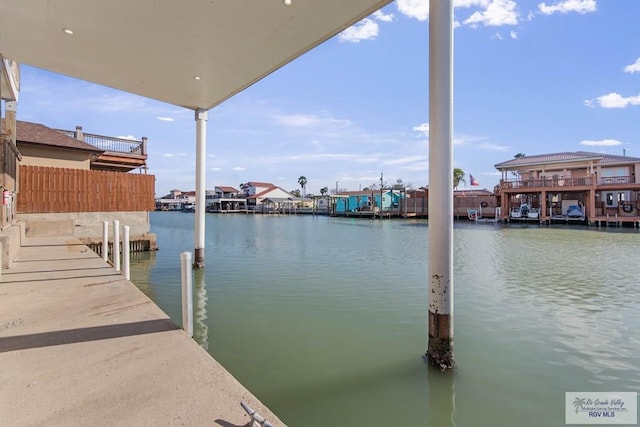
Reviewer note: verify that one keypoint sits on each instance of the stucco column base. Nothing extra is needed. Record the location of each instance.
(198, 261)
(440, 347)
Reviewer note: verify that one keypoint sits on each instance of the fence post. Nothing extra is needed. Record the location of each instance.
(116, 244)
(105, 241)
(125, 253)
(187, 292)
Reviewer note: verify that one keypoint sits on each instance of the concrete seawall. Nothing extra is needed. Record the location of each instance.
(80, 345)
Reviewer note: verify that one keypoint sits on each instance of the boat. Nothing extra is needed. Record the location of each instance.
(524, 211)
(188, 207)
(574, 211)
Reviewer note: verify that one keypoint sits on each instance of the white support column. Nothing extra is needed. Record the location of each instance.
(201, 156)
(440, 347)
(105, 241)
(126, 256)
(116, 245)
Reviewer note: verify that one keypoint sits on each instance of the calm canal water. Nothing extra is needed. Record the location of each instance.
(325, 319)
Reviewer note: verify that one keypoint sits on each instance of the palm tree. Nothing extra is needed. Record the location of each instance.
(458, 177)
(324, 190)
(303, 184)
(517, 156)
(579, 403)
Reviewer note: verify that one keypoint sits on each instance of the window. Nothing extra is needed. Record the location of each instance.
(609, 199)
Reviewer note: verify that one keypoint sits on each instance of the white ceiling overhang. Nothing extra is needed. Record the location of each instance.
(157, 48)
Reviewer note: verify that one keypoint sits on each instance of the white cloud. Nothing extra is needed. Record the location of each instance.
(405, 160)
(633, 68)
(239, 168)
(601, 143)
(166, 119)
(423, 128)
(613, 100)
(129, 137)
(513, 34)
(491, 147)
(366, 29)
(496, 36)
(566, 6)
(311, 120)
(497, 13)
(417, 9)
(380, 16)
(215, 169)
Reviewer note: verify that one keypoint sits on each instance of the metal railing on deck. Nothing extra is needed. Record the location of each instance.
(109, 143)
(547, 182)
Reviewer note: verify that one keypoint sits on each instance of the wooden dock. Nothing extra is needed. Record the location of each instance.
(80, 345)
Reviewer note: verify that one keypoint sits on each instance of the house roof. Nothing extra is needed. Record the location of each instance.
(226, 189)
(577, 156)
(157, 48)
(36, 133)
(260, 184)
(264, 193)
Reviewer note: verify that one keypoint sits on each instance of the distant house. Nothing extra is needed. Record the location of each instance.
(224, 192)
(572, 185)
(276, 198)
(227, 199)
(254, 187)
(368, 201)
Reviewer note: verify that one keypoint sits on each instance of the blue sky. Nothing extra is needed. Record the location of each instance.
(530, 77)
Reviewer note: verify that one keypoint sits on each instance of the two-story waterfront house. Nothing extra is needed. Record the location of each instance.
(227, 199)
(572, 186)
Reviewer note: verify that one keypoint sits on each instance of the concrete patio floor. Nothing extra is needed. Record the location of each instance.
(80, 345)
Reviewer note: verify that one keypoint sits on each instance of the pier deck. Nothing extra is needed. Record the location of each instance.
(80, 345)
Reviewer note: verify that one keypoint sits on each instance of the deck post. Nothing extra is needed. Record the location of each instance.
(126, 256)
(440, 346)
(201, 155)
(105, 241)
(116, 245)
(186, 276)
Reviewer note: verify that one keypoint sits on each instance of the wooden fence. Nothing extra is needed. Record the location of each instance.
(57, 190)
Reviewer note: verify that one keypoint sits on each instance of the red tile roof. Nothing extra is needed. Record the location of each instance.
(261, 184)
(226, 189)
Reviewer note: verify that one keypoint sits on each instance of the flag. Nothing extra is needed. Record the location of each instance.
(473, 181)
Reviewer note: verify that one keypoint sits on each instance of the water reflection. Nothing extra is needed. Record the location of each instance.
(442, 398)
(201, 329)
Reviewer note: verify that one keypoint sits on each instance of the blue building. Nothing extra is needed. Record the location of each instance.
(368, 201)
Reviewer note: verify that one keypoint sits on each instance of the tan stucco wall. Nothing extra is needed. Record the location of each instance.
(10, 240)
(37, 156)
(83, 224)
